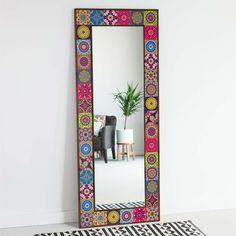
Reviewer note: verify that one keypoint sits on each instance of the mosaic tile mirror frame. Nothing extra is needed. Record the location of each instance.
(85, 20)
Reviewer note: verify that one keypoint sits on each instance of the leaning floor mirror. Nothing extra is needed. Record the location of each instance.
(118, 116)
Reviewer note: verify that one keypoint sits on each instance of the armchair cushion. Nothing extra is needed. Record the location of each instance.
(97, 127)
(101, 119)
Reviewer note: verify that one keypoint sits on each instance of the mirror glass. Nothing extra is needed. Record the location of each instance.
(118, 138)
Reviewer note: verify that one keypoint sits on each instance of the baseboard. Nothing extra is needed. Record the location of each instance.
(199, 210)
(29, 219)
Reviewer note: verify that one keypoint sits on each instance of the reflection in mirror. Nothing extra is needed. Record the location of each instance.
(118, 139)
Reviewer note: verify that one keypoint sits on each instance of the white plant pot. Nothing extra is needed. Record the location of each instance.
(125, 135)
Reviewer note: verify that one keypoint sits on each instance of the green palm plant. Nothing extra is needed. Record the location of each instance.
(129, 101)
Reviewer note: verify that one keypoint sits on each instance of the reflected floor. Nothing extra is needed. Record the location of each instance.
(119, 181)
(120, 205)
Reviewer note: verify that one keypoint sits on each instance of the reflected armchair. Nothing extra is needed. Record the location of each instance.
(106, 138)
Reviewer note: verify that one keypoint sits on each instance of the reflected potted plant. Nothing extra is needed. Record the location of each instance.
(129, 103)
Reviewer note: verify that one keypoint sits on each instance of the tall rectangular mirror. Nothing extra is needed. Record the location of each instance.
(118, 116)
(119, 164)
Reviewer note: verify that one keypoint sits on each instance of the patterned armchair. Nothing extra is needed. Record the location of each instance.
(106, 137)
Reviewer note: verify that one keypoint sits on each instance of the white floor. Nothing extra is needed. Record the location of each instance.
(212, 223)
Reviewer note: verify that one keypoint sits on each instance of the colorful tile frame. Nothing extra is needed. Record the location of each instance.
(85, 19)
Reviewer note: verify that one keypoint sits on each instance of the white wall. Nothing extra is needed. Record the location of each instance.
(37, 107)
(118, 60)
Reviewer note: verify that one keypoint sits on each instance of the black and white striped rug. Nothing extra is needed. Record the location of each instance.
(120, 205)
(180, 228)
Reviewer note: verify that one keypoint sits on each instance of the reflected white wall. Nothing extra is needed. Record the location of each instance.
(117, 60)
